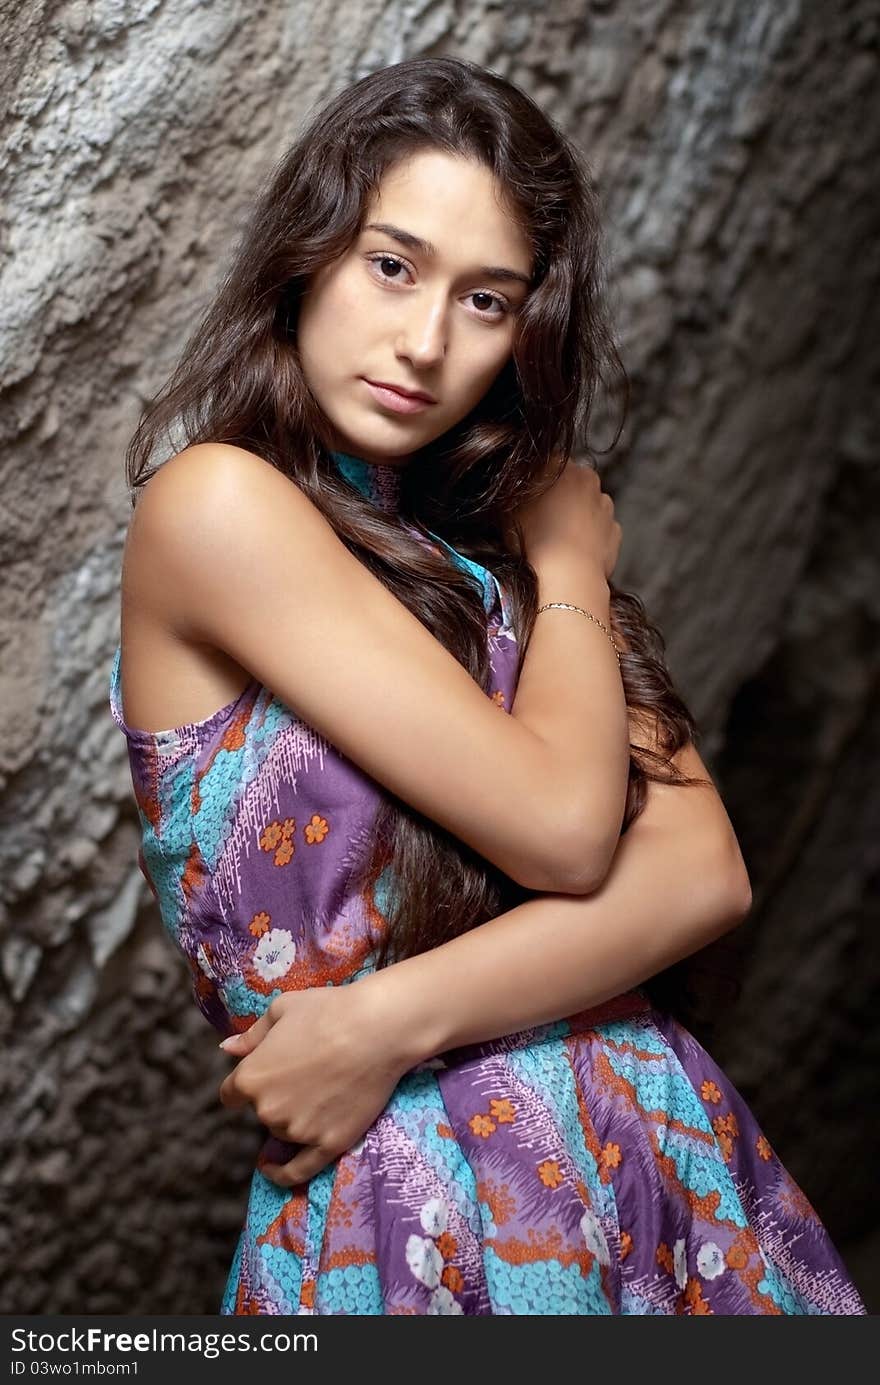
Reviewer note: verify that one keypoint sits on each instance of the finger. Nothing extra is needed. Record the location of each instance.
(239, 1044)
(230, 1093)
(310, 1160)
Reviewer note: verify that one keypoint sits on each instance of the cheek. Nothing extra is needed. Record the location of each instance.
(329, 315)
(481, 372)
(343, 301)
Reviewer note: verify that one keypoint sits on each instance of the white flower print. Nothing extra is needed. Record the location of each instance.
(443, 1304)
(679, 1261)
(274, 954)
(425, 1260)
(595, 1238)
(434, 1216)
(710, 1260)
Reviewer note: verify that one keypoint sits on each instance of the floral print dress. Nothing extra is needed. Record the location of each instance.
(602, 1164)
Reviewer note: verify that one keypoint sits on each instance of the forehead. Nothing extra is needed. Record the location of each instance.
(453, 202)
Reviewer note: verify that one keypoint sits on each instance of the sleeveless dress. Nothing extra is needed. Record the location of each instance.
(603, 1164)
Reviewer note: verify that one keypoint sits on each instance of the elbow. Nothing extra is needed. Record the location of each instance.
(561, 871)
(737, 885)
(576, 854)
(586, 873)
(732, 897)
(737, 902)
(581, 866)
(590, 846)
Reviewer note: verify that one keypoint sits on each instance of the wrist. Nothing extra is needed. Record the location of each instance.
(583, 583)
(404, 1013)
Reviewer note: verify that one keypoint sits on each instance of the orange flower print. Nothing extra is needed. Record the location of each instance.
(726, 1129)
(285, 852)
(611, 1156)
(233, 737)
(762, 1145)
(737, 1257)
(498, 698)
(271, 835)
(316, 830)
(626, 1244)
(482, 1126)
(693, 1294)
(445, 1131)
(259, 924)
(710, 1091)
(550, 1173)
(503, 1110)
(664, 1257)
(499, 1200)
(700, 1306)
(452, 1278)
(447, 1245)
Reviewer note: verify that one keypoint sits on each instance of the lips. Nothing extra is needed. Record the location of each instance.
(399, 389)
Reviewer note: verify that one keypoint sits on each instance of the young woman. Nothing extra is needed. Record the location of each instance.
(429, 807)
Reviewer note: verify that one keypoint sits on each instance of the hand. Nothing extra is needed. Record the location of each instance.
(572, 516)
(319, 1067)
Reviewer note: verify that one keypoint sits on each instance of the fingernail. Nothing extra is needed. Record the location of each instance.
(229, 1040)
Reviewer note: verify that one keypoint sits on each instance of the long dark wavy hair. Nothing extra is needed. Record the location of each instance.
(240, 381)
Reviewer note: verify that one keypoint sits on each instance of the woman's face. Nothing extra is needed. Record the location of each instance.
(437, 317)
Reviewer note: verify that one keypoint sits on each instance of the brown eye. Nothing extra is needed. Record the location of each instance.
(497, 308)
(487, 297)
(381, 261)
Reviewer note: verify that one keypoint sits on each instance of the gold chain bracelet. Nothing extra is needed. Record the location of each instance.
(567, 606)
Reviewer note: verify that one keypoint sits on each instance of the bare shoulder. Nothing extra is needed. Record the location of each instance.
(207, 475)
(201, 500)
(197, 514)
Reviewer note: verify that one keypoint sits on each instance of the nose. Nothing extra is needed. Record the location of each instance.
(422, 339)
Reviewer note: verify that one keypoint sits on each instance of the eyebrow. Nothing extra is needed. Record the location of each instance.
(424, 247)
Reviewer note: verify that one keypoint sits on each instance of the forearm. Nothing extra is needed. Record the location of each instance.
(570, 694)
(666, 895)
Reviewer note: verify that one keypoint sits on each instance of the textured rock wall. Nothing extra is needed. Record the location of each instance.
(735, 157)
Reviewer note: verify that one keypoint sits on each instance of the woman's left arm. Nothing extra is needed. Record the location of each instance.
(321, 1064)
(677, 882)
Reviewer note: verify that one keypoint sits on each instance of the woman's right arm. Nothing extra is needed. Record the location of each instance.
(240, 559)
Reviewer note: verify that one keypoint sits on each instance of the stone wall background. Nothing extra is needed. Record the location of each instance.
(734, 146)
